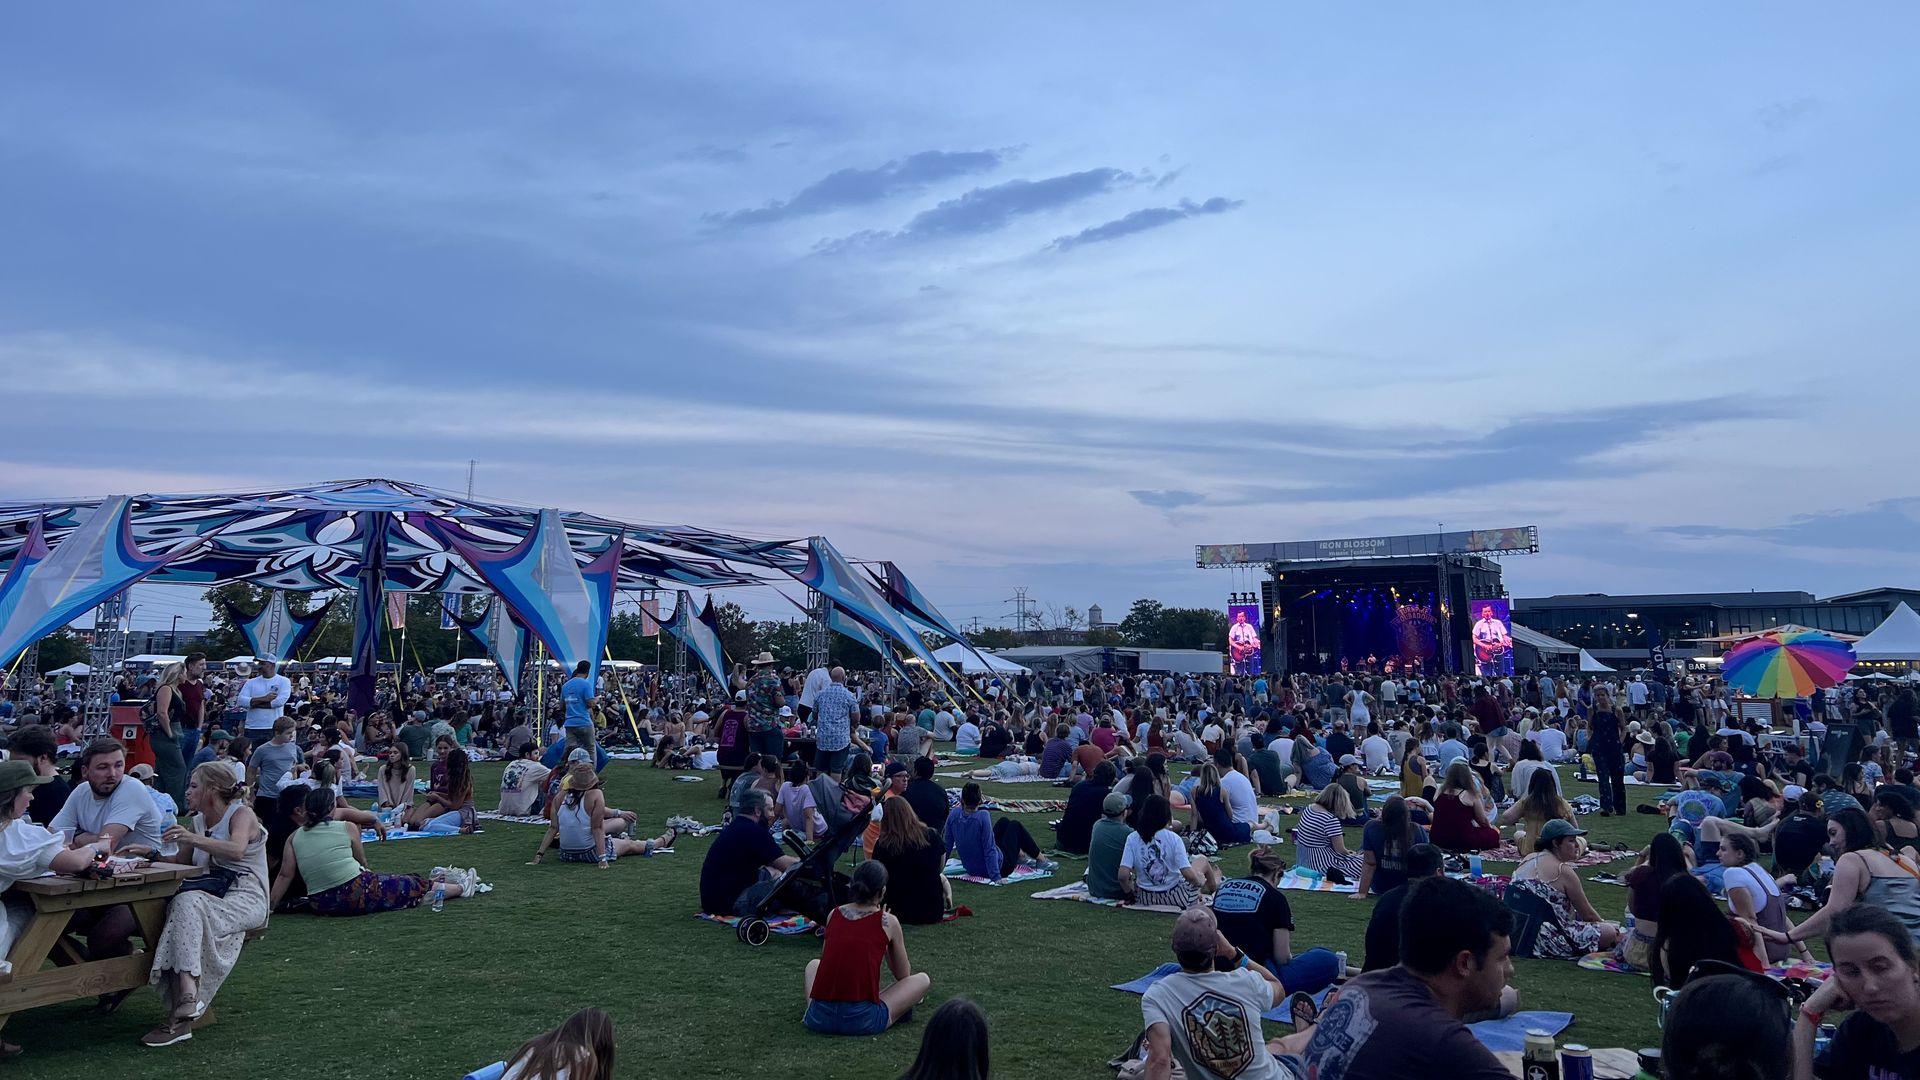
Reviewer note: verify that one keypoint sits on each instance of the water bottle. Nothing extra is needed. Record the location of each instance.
(439, 897)
(1475, 866)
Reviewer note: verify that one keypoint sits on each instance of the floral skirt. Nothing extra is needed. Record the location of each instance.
(371, 892)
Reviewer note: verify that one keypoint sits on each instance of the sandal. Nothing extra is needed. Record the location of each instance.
(1303, 1010)
(673, 833)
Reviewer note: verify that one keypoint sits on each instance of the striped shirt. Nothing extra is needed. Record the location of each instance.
(1313, 838)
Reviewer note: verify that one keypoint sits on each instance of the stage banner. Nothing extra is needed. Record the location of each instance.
(396, 611)
(1492, 637)
(561, 602)
(45, 590)
(275, 630)
(1243, 639)
(649, 618)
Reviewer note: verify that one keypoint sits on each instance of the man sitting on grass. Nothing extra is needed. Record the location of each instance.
(744, 859)
(1206, 1016)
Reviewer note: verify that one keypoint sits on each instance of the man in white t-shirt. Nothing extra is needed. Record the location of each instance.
(1551, 740)
(1377, 754)
(1209, 1020)
(264, 697)
(109, 806)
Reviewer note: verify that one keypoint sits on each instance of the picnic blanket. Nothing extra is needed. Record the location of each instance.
(368, 789)
(778, 924)
(1294, 879)
(495, 815)
(1015, 780)
(956, 870)
(1510, 853)
(368, 836)
(1792, 969)
(1078, 891)
(1026, 806)
(685, 779)
(1509, 1033)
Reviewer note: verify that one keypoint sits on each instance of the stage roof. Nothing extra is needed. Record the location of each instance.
(310, 539)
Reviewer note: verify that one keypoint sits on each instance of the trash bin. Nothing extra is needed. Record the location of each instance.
(124, 724)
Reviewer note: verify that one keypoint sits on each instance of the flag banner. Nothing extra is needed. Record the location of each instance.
(45, 590)
(562, 603)
(649, 618)
(505, 640)
(449, 611)
(908, 600)
(396, 611)
(700, 637)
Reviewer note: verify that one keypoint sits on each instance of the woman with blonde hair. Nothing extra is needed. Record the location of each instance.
(1320, 839)
(585, 829)
(165, 723)
(206, 926)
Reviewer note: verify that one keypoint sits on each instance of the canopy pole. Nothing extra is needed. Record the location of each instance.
(625, 702)
(540, 694)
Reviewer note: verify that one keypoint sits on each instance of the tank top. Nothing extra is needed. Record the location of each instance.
(1412, 782)
(850, 960)
(1772, 914)
(325, 855)
(252, 861)
(576, 829)
(1899, 895)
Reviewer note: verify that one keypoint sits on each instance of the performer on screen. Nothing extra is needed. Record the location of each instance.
(1243, 645)
(1492, 644)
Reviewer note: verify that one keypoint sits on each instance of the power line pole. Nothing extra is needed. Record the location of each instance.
(1022, 619)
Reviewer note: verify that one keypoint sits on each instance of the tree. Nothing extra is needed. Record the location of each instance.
(1141, 627)
(994, 637)
(1105, 636)
(62, 647)
(736, 631)
(787, 641)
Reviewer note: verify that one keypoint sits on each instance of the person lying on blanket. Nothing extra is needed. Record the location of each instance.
(1206, 1016)
(587, 831)
(1010, 769)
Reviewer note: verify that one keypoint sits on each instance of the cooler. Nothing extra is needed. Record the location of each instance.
(124, 724)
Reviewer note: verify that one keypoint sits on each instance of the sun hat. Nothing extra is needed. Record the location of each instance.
(765, 659)
(1645, 738)
(1559, 829)
(15, 775)
(786, 710)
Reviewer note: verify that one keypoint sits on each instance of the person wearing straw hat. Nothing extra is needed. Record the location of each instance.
(765, 699)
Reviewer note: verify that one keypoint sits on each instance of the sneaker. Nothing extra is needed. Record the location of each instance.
(167, 1034)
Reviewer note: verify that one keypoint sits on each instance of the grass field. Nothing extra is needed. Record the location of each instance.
(415, 994)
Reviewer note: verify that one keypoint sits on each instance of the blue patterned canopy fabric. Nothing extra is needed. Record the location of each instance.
(94, 559)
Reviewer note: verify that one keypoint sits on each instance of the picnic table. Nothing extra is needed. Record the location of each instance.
(55, 899)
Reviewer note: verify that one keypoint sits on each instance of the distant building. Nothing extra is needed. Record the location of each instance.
(1096, 622)
(1615, 627)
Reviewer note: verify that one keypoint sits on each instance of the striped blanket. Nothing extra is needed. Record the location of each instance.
(779, 924)
(1023, 873)
(1294, 879)
(1078, 891)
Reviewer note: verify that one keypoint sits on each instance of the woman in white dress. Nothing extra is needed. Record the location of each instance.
(201, 943)
(27, 851)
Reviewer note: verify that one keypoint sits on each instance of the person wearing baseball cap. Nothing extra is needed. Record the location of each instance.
(1220, 994)
(1548, 875)
(265, 698)
(1109, 843)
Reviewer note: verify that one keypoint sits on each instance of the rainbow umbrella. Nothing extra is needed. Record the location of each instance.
(1787, 665)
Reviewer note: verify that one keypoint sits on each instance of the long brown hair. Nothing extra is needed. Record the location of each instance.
(900, 828)
(459, 777)
(581, 1048)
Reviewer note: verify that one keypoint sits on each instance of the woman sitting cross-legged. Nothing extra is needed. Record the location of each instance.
(1549, 874)
(1383, 847)
(1460, 820)
(1538, 804)
(448, 804)
(987, 848)
(586, 830)
(1155, 866)
(1257, 919)
(327, 855)
(1320, 838)
(1210, 807)
(917, 891)
(201, 943)
(843, 986)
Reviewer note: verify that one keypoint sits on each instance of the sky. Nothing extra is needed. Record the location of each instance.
(1015, 295)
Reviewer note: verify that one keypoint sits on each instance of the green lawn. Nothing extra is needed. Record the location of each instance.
(414, 994)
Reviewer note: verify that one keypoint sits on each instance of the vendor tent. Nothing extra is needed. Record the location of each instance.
(1589, 663)
(1072, 659)
(469, 664)
(958, 655)
(1898, 638)
(72, 669)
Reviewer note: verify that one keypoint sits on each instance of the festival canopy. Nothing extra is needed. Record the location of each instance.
(971, 663)
(72, 669)
(1898, 638)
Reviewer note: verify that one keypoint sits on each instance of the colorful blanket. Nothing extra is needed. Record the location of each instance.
(778, 924)
(1026, 806)
(958, 872)
(495, 815)
(1510, 853)
(1294, 879)
(368, 836)
(1792, 969)
(1078, 891)
(1015, 780)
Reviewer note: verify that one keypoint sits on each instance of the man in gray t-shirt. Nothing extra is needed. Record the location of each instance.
(108, 806)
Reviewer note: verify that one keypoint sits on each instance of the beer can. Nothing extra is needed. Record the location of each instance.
(1576, 1062)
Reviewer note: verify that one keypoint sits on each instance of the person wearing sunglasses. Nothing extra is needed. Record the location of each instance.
(1877, 976)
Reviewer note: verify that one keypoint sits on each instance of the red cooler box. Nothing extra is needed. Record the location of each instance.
(124, 724)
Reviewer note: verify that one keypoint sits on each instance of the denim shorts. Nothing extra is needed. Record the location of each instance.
(846, 1017)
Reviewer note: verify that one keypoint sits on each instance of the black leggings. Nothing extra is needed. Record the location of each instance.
(1014, 841)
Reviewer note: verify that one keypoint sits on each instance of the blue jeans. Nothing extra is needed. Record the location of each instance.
(447, 823)
(1309, 972)
(832, 761)
(768, 742)
(189, 742)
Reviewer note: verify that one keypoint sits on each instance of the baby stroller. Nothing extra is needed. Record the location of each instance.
(811, 886)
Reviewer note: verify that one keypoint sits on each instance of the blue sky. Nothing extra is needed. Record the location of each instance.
(1012, 296)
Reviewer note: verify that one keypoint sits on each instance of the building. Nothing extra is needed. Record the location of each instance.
(165, 641)
(1616, 627)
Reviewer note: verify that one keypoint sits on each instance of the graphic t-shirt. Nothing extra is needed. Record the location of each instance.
(1866, 1049)
(1387, 1026)
(1249, 911)
(1156, 866)
(1213, 1020)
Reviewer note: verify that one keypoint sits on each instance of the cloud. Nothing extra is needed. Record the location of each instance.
(1141, 220)
(861, 187)
(717, 155)
(1890, 525)
(1778, 116)
(987, 209)
(1167, 500)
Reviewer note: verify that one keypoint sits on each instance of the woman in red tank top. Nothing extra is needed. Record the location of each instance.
(843, 986)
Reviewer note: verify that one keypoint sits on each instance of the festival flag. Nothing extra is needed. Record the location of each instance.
(449, 611)
(503, 637)
(46, 589)
(396, 611)
(1657, 654)
(275, 630)
(908, 600)
(650, 617)
(827, 571)
(561, 602)
(700, 637)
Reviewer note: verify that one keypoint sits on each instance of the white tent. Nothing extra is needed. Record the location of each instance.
(1898, 638)
(1588, 663)
(956, 655)
(622, 665)
(469, 664)
(72, 669)
(153, 660)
